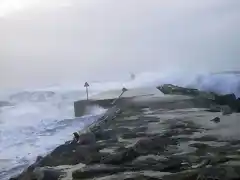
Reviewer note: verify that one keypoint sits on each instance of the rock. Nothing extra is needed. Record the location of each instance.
(95, 171)
(238, 104)
(199, 145)
(172, 89)
(216, 120)
(173, 165)
(206, 138)
(226, 110)
(46, 174)
(72, 154)
(132, 135)
(184, 175)
(39, 158)
(227, 99)
(153, 145)
(87, 138)
(155, 164)
(214, 109)
(120, 157)
(134, 176)
(218, 173)
(105, 134)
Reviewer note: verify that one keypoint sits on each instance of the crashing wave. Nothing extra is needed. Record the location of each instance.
(32, 96)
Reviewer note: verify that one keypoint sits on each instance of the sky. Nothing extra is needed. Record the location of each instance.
(44, 42)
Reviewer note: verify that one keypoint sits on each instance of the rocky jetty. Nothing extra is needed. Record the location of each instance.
(226, 103)
(171, 138)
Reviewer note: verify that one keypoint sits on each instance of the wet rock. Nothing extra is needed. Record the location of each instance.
(227, 99)
(172, 89)
(199, 145)
(216, 120)
(39, 158)
(206, 138)
(214, 109)
(226, 110)
(167, 165)
(215, 173)
(133, 176)
(120, 157)
(238, 105)
(140, 129)
(132, 135)
(72, 154)
(46, 174)
(96, 170)
(87, 138)
(173, 165)
(184, 175)
(105, 134)
(230, 100)
(153, 145)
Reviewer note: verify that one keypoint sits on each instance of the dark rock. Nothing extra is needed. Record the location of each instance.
(213, 173)
(120, 157)
(199, 145)
(153, 145)
(216, 120)
(214, 109)
(230, 100)
(96, 170)
(140, 129)
(141, 177)
(132, 135)
(169, 165)
(171, 89)
(226, 110)
(105, 134)
(227, 99)
(185, 175)
(87, 138)
(206, 138)
(72, 154)
(173, 165)
(46, 174)
(39, 158)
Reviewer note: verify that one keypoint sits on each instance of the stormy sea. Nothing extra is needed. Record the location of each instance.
(35, 121)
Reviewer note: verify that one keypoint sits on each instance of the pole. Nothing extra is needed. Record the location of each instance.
(86, 85)
(123, 91)
(87, 92)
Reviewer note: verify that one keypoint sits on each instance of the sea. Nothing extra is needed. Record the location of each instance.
(33, 121)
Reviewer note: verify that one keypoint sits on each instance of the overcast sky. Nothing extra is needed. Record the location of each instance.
(46, 42)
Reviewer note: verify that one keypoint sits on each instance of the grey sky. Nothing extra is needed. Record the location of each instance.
(55, 41)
